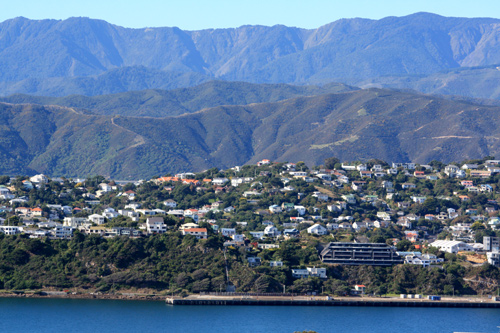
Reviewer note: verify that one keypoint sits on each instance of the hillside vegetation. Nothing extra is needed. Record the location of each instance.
(356, 125)
(163, 103)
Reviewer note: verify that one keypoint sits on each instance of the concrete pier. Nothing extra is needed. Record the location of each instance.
(315, 301)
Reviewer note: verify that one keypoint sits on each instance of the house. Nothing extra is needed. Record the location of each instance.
(408, 166)
(480, 173)
(419, 174)
(11, 230)
(358, 185)
(39, 179)
(349, 198)
(384, 216)
(301, 210)
(193, 182)
(36, 212)
(286, 206)
(63, 232)
(418, 199)
(220, 181)
(155, 225)
(199, 233)
(359, 225)
(469, 166)
(485, 188)
(317, 229)
(275, 209)
(263, 162)
(257, 234)
(405, 222)
(170, 203)
(324, 176)
(467, 183)
(290, 232)
(320, 196)
(23, 211)
(105, 187)
(27, 184)
(276, 263)
(348, 167)
(367, 174)
(271, 231)
(309, 272)
(109, 213)
(96, 218)
(337, 206)
(451, 170)
(254, 261)
(406, 186)
(359, 289)
(425, 260)
(228, 232)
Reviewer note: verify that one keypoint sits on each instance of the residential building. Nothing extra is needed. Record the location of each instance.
(199, 233)
(155, 225)
(376, 254)
(309, 272)
(451, 246)
(317, 229)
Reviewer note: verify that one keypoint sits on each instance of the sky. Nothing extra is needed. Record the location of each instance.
(203, 14)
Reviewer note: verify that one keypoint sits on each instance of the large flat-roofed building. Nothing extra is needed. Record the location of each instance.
(375, 254)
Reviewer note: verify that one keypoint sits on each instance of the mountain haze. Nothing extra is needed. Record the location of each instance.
(40, 56)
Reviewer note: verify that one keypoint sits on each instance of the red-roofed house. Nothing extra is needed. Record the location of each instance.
(199, 233)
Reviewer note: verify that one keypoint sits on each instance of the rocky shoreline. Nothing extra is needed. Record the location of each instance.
(78, 295)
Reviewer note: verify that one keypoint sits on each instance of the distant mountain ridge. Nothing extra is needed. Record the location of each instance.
(39, 56)
(354, 125)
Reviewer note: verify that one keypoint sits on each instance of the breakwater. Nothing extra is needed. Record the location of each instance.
(286, 301)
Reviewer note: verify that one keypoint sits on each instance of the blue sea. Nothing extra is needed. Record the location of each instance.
(69, 315)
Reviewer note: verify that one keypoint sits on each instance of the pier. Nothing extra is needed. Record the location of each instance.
(323, 301)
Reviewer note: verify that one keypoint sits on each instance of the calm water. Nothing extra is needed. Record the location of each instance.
(53, 315)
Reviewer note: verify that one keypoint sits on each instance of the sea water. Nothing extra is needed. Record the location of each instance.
(73, 315)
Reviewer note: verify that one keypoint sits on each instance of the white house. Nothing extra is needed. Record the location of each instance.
(170, 203)
(309, 271)
(228, 232)
(317, 229)
(219, 181)
(96, 218)
(276, 263)
(10, 230)
(271, 231)
(155, 225)
(300, 209)
(275, 209)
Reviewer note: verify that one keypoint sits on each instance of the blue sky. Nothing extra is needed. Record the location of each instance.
(203, 14)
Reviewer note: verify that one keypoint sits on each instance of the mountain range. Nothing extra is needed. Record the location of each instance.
(92, 57)
(85, 97)
(353, 125)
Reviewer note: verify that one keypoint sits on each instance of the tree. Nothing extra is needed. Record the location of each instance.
(4, 180)
(403, 245)
(330, 162)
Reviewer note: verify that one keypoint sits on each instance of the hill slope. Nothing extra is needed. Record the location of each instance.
(476, 82)
(350, 48)
(161, 103)
(356, 125)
